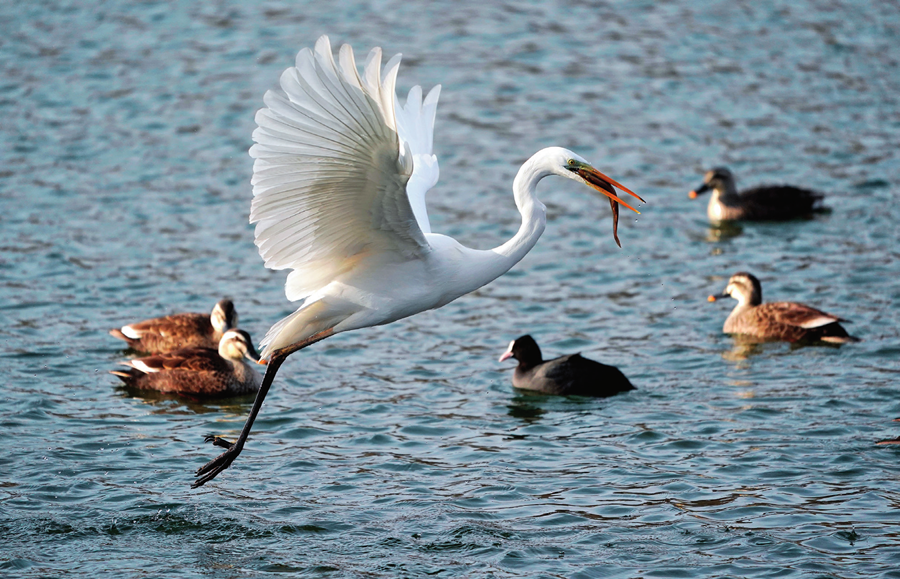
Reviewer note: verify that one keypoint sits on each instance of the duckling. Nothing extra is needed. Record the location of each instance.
(176, 331)
(566, 375)
(767, 203)
(788, 321)
(198, 371)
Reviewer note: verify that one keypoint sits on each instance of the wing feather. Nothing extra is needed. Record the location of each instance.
(193, 359)
(415, 127)
(798, 315)
(329, 176)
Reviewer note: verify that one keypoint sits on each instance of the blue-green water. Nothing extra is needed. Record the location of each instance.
(402, 451)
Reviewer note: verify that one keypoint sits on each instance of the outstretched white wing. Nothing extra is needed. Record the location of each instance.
(415, 126)
(330, 177)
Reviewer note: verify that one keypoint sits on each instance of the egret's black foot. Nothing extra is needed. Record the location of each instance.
(211, 469)
(216, 441)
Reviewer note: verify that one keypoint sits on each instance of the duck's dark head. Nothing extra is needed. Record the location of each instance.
(525, 350)
(236, 344)
(744, 287)
(719, 179)
(224, 317)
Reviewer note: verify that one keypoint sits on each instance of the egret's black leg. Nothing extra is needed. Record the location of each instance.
(211, 469)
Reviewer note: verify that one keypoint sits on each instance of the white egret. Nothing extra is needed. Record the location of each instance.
(339, 183)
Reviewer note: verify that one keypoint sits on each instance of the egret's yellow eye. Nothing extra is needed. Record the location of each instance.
(570, 162)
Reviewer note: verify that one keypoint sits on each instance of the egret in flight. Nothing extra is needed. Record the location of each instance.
(339, 180)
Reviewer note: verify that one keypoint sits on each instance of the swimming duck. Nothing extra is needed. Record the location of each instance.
(566, 375)
(177, 331)
(767, 203)
(786, 321)
(198, 371)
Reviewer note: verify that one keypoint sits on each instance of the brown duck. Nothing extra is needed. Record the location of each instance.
(566, 375)
(177, 331)
(198, 371)
(767, 203)
(788, 321)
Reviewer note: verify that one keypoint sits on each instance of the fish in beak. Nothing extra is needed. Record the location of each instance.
(605, 185)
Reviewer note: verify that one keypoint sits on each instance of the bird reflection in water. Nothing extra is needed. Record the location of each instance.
(524, 407)
(743, 347)
(723, 231)
(175, 404)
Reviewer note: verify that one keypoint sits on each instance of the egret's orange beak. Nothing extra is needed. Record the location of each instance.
(605, 185)
(262, 362)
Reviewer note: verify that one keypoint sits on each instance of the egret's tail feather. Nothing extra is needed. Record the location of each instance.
(312, 318)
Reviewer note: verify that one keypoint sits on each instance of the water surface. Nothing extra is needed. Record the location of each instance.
(402, 450)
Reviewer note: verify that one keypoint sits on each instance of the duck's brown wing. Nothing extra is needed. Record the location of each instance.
(779, 202)
(168, 333)
(189, 371)
(799, 315)
(792, 322)
(191, 359)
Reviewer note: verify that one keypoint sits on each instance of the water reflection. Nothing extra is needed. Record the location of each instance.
(723, 231)
(530, 407)
(745, 346)
(523, 406)
(168, 403)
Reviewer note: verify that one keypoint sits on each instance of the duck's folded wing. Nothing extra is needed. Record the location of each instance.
(329, 177)
(793, 314)
(774, 201)
(168, 325)
(191, 359)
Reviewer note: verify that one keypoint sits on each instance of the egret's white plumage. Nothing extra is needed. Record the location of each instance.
(339, 186)
(340, 177)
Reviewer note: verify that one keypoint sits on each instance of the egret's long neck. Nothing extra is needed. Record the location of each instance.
(483, 266)
(534, 214)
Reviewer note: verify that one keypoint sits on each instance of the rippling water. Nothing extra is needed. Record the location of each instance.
(403, 450)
